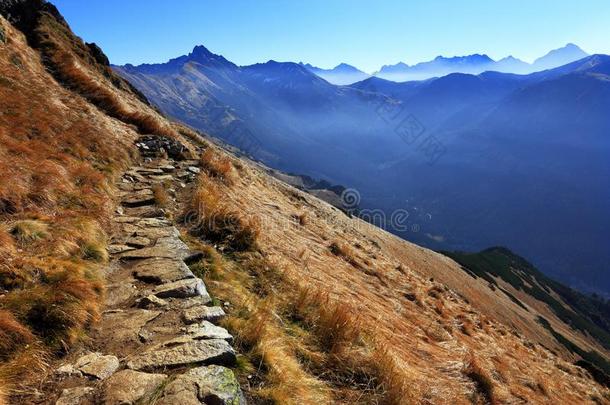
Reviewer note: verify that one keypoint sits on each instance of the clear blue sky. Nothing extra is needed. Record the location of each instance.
(366, 34)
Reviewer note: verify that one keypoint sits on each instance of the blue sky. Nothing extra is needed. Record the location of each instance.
(366, 34)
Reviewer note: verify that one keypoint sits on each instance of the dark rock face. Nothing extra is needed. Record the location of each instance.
(160, 146)
(97, 53)
(24, 14)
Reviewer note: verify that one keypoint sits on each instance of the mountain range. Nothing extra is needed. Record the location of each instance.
(442, 66)
(475, 160)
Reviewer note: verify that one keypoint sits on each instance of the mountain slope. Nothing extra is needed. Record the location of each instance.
(587, 314)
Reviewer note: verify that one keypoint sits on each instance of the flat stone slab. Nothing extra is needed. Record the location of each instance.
(138, 198)
(207, 330)
(97, 365)
(147, 170)
(204, 385)
(153, 222)
(158, 232)
(161, 178)
(119, 248)
(165, 247)
(133, 175)
(128, 387)
(119, 293)
(191, 302)
(147, 211)
(75, 396)
(124, 219)
(137, 242)
(167, 168)
(202, 313)
(159, 270)
(124, 325)
(151, 301)
(214, 351)
(191, 287)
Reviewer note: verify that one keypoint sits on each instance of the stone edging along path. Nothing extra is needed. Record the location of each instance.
(157, 340)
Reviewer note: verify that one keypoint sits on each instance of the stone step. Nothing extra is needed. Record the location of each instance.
(130, 387)
(165, 247)
(123, 326)
(191, 287)
(146, 170)
(115, 249)
(147, 211)
(138, 200)
(160, 270)
(204, 385)
(212, 351)
(202, 313)
(97, 365)
(207, 330)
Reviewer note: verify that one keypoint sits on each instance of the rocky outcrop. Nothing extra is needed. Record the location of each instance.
(155, 146)
(158, 321)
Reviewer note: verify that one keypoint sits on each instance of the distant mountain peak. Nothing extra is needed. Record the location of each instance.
(200, 51)
(346, 67)
(341, 74)
(202, 55)
(560, 56)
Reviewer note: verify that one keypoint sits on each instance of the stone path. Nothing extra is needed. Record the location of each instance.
(156, 341)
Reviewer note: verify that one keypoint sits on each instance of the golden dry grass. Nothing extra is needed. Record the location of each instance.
(218, 166)
(58, 155)
(210, 214)
(160, 195)
(68, 59)
(368, 323)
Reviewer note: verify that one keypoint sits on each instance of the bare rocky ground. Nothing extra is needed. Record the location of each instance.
(157, 341)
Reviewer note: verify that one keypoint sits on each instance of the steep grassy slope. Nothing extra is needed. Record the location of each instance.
(583, 313)
(57, 153)
(338, 311)
(67, 126)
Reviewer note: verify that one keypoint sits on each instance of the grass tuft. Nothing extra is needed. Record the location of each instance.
(160, 195)
(210, 216)
(482, 380)
(28, 231)
(217, 166)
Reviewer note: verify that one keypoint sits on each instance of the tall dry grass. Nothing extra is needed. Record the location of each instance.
(211, 215)
(218, 166)
(68, 58)
(58, 157)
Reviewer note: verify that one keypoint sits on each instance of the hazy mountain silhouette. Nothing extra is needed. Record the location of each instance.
(475, 64)
(341, 74)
